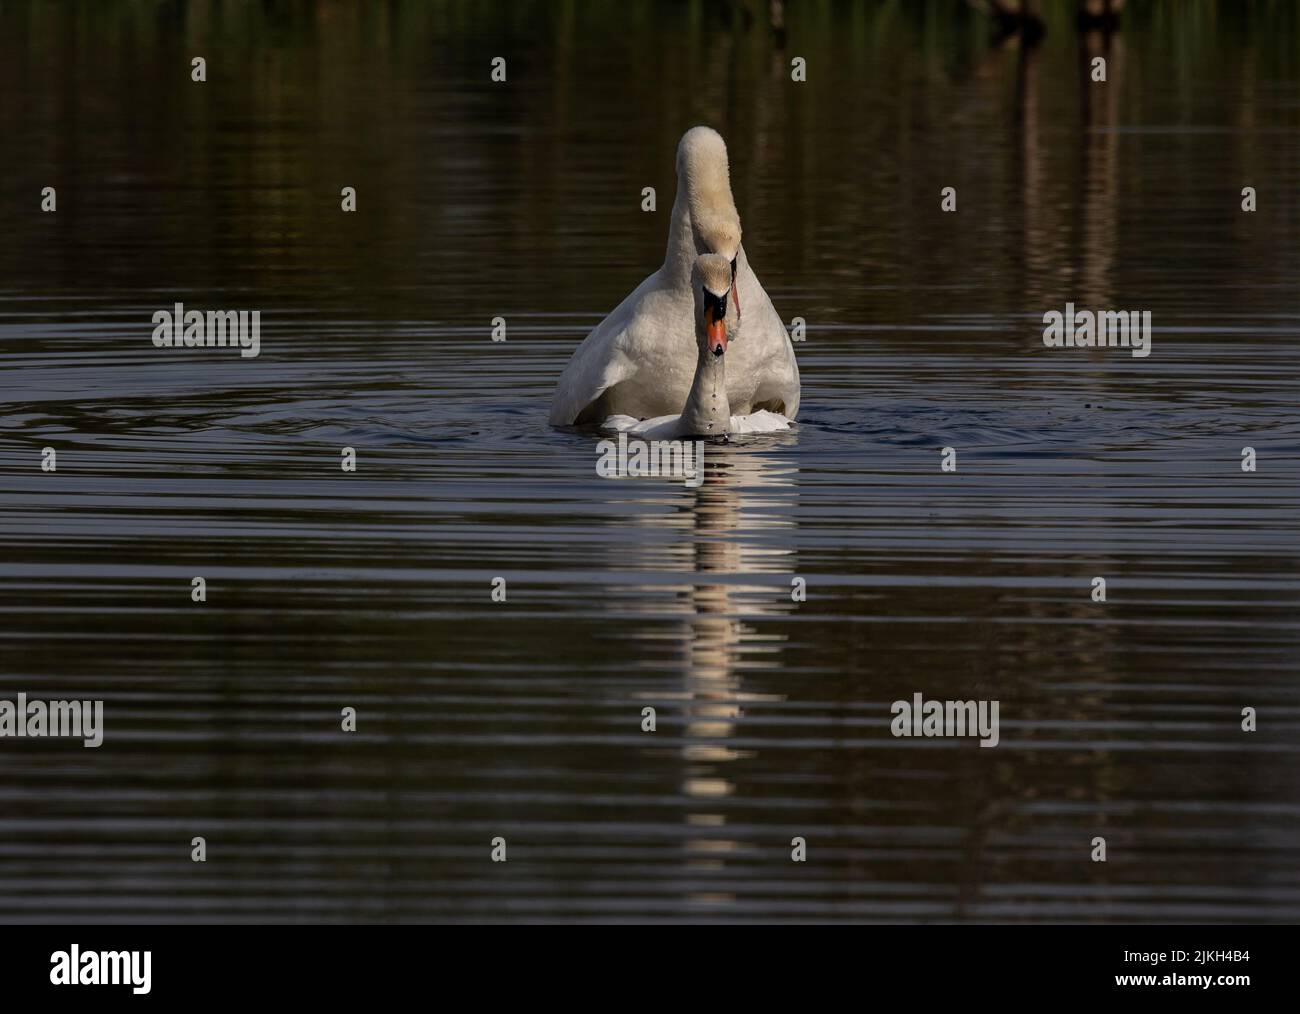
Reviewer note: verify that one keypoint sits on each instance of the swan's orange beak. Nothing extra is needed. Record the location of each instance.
(715, 320)
(715, 330)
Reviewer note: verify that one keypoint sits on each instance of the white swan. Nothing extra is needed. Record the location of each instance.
(707, 411)
(637, 360)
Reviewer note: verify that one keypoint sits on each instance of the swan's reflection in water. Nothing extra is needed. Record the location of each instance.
(741, 529)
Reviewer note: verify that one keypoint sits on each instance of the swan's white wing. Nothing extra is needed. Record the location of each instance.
(596, 366)
(606, 357)
(658, 428)
(669, 426)
(761, 421)
(779, 376)
(766, 349)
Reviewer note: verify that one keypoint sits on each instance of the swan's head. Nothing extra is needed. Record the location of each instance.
(702, 170)
(715, 323)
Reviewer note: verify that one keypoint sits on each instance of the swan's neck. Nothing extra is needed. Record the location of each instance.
(681, 251)
(707, 411)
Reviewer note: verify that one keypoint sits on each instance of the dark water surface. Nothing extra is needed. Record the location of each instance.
(522, 719)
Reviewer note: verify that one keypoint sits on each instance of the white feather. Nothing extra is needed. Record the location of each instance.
(668, 427)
